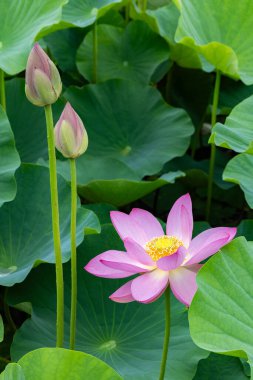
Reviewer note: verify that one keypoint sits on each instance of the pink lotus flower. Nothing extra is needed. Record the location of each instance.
(161, 260)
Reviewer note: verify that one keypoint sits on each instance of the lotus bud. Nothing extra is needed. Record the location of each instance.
(71, 138)
(43, 81)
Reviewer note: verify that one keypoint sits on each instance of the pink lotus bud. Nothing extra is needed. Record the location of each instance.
(43, 81)
(71, 138)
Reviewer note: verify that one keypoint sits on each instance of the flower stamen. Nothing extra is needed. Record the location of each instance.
(162, 246)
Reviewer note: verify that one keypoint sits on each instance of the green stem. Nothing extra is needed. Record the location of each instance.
(73, 255)
(167, 334)
(7, 312)
(56, 228)
(142, 4)
(213, 149)
(95, 52)
(2, 90)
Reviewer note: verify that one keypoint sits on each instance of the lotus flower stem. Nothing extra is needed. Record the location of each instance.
(167, 334)
(73, 254)
(56, 228)
(2, 90)
(95, 52)
(213, 148)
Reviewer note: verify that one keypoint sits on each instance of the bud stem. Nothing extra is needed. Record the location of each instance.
(73, 255)
(166, 334)
(56, 228)
(2, 90)
(95, 52)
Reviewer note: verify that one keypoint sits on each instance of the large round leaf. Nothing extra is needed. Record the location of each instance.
(21, 21)
(131, 123)
(58, 364)
(239, 170)
(129, 337)
(221, 312)
(106, 186)
(237, 132)
(85, 12)
(9, 160)
(26, 230)
(111, 181)
(212, 30)
(132, 53)
(99, 178)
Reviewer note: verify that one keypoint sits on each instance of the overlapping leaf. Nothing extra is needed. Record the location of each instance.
(220, 314)
(21, 21)
(131, 123)
(57, 364)
(212, 30)
(129, 337)
(132, 53)
(105, 186)
(9, 160)
(163, 19)
(86, 12)
(239, 170)
(237, 132)
(26, 233)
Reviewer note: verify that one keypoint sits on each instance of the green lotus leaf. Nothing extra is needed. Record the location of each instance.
(232, 93)
(63, 46)
(9, 160)
(239, 170)
(217, 367)
(212, 30)
(86, 12)
(129, 337)
(120, 192)
(164, 20)
(220, 315)
(237, 132)
(107, 187)
(57, 364)
(26, 233)
(132, 53)
(131, 123)
(13, 371)
(99, 177)
(29, 17)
